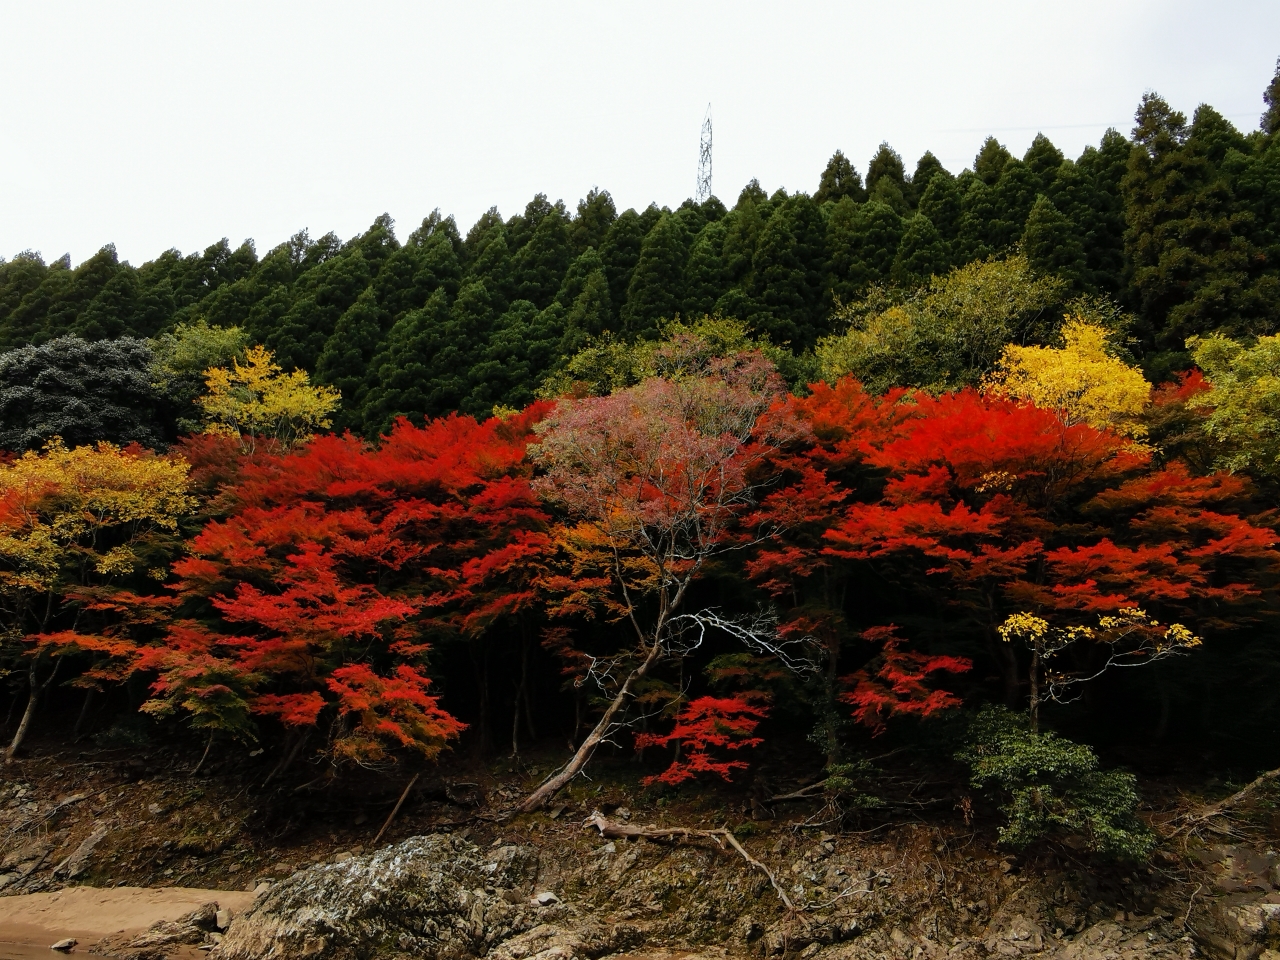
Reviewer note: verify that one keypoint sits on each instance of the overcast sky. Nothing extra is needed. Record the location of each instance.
(174, 124)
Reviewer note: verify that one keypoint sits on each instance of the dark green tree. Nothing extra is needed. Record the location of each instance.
(520, 228)
(1013, 196)
(927, 167)
(80, 391)
(990, 161)
(704, 273)
(596, 214)
(977, 219)
(521, 350)
(656, 291)
(1271, 97)
(588, 315)
(435, 223)
(321, 295)
(844, 249)
(713, 210)
(620, 253)
(346, 361)
(493, 265)
(406, 366)
(789, 270)
(376, 244)
(691, 217)
(840, 179)
(1088, 194)
(1195, 267)
(445, 342)
(922, 252)
(752, 192)
(19, 278)
(114, 311)
(540, 264)
(429, 261)
(650, 216)
(479, 235)
(66, 296)
(879, 230)
(578, 275)
(741, 234)
(1043, 160)
(940, 202)
(191, 279)
(1052, 244)
(887, 179)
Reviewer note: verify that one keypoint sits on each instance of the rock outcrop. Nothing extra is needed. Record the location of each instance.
(437, 896)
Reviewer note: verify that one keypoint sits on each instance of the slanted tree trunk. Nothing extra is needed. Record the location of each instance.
(556, 783)
(204, 756)
(36, 689)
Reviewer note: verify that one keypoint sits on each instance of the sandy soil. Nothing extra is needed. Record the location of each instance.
(90, 913)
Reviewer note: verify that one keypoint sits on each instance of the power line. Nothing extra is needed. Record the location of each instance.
(704, 160)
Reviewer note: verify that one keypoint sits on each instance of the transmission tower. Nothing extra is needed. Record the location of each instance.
(704, 159)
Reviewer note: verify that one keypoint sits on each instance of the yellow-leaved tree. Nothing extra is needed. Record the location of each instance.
(1082, 381)
(256, 399)
(78, 530)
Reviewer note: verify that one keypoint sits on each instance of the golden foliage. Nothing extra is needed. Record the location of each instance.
(1081, 381)
(1130, 631)
(257, 399)
(88, 509)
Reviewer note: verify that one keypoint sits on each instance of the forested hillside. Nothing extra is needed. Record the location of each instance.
(918, 451)
(1178, 224)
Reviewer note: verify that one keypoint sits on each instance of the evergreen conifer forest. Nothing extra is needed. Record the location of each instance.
(979, 466)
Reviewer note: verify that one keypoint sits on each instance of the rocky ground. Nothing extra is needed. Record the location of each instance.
(918, 880)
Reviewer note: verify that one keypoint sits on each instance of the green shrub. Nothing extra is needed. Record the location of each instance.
(1054, 788)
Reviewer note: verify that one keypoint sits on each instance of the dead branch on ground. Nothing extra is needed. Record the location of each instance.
(625, 831)
(1197, 817)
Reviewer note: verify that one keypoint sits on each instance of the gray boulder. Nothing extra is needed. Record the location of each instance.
(436, 896)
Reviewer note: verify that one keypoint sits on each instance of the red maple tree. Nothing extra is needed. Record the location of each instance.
(316, 590)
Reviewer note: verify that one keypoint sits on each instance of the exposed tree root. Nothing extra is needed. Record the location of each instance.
(804, 793)
(626, 831)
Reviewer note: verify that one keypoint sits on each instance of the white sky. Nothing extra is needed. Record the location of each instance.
(175, 124)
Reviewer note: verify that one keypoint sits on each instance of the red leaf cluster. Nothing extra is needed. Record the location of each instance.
(335, 560)
(704, 724)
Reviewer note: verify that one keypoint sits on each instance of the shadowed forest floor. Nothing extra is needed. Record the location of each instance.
(922, 865)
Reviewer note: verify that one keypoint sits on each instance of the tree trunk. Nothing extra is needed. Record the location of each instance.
(556, 783)
(528, 696)
(84, 712)
(204, 755)
(521, 695)
(13, 705)
(32, 700)
(37, 689)
(480, 667)
(298, 743)
(831, 692)
(1035, 690)
(1012, 682)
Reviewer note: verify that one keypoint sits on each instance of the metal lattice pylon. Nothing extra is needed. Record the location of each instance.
(704, 159)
